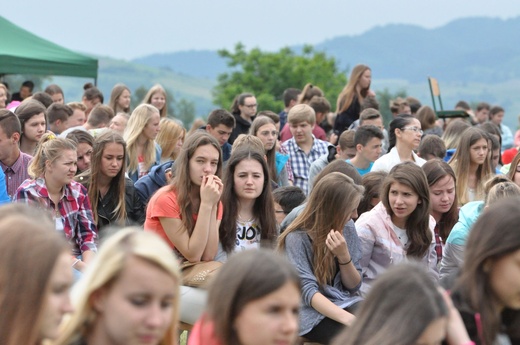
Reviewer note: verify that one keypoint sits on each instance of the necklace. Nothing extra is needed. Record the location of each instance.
(242, 220)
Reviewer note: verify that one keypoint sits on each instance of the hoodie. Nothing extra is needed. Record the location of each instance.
(147, 185)
(381, 248)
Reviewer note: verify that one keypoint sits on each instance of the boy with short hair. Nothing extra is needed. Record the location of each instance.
(58, 116)
(285, 200)
(303, 147)
(220, 126)
(368, 141)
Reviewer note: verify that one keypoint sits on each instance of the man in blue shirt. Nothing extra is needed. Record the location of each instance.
(368, 141)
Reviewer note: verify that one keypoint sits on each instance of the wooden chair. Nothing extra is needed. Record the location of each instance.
(435, 92)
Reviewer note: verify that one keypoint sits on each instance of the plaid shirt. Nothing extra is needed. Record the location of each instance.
(74, 208)
(17, 173)
(301, 162)
(290, 175)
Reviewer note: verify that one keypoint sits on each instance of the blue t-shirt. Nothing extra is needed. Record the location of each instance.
(361, 171)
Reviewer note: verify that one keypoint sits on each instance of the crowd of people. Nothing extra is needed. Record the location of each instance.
(123, 226)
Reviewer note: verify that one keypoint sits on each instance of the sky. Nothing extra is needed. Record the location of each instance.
(130, 29)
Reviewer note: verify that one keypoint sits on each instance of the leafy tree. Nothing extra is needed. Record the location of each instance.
(384, 97)
(268, 74)
(185, 111)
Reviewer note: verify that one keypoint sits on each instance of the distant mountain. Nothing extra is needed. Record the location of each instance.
(465, 50)
(197, 63)
(112, 71)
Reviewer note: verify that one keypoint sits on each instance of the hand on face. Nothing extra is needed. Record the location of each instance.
(211, 189)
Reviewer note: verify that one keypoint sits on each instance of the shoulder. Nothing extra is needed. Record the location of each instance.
(321, 146)
(164, 194)
(75, 190)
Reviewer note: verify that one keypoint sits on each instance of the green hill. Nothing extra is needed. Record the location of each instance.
(134, 75)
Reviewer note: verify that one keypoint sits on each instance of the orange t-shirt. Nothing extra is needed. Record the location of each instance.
(164, 204)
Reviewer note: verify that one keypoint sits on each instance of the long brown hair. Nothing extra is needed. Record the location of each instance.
(349, 92)
(461, 162)
(29, 250)
(246, 277)
(181, 182)
(436, 169)
(263, 209)
(417, 224)
(494, 235)
(334, 191)
(271, 154)
(118, 181)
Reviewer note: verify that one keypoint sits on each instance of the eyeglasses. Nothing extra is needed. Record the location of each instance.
(279, 211)
(415, 129)
(250, 106)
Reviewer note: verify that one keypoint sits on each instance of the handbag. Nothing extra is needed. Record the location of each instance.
(199, 274)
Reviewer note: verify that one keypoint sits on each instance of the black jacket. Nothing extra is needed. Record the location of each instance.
(135, 211)
(241, 127)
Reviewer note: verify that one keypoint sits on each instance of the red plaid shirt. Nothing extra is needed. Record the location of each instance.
(74, 208)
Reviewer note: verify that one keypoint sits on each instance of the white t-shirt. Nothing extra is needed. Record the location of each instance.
(248, 235)
(401, 235)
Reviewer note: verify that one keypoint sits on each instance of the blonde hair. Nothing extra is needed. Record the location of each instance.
(249, 140)
(500, 189)
(136, 124)
(301, 113)
(50, 149)
(461, 162)
(148, 98)
(106, 268)
(171, 131)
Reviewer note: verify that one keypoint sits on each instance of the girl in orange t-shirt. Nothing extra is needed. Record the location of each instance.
(187, 213)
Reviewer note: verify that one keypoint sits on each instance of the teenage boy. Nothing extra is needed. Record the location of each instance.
(58, 117)
(371, 116)
(13, 162)
(321, 107)
(368, 141)
(220, 126)
(303, 147)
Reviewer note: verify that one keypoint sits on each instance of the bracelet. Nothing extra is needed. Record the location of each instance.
(75, 262)
(346, 263)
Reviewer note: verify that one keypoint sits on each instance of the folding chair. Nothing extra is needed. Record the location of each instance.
(435, 91)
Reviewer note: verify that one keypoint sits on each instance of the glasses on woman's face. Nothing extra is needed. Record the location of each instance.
(415, 129)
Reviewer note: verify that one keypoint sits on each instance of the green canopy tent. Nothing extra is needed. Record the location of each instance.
(22, 52)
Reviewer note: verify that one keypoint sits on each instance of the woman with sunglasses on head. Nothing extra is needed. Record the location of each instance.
(405, 136)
